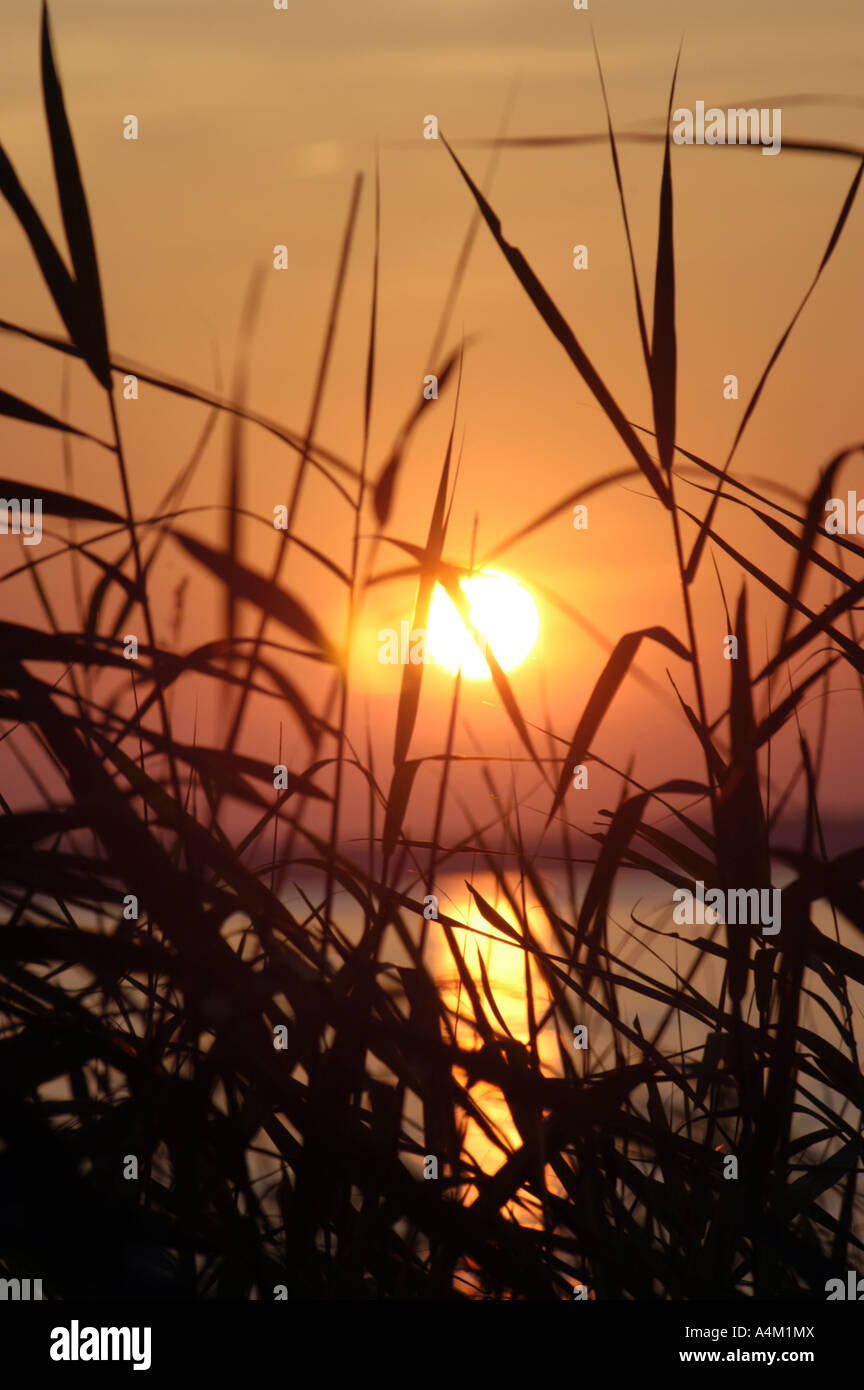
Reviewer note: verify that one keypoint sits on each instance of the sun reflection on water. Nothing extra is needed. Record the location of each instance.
(487, 950)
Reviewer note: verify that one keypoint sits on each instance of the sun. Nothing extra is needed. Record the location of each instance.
(503, 613)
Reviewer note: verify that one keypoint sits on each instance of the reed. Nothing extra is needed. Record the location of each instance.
(302, 1167)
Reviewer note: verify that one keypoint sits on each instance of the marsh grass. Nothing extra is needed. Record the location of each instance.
(303, 1167)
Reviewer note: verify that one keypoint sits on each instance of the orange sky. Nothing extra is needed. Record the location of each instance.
(252, 124)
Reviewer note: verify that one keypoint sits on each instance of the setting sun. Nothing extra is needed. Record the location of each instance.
(503, 613)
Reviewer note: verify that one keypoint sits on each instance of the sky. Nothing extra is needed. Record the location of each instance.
(252, 125)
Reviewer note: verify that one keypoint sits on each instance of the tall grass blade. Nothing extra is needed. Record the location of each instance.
(551, 316)
(664, 350)
(693, 562)
(622, 202)
(266, 596)
(601, 697)
(76, 218)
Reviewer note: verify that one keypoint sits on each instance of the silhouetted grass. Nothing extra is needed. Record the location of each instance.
(303, 1167)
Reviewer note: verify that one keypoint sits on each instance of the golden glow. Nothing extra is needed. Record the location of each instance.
(505, 967)
(503, 613)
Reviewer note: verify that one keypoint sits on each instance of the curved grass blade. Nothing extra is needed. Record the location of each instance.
(695, 554)
(59, 503)
(385, 485)
(16, 409)
(804, 556)
(318, 454)
(601, 697)
(412, 675)
(553, 319)
(718, 767)
(76, 218)
(266, 596)
(640, 313)
(31, 644)
(172, 666)
(642, 137)
(819, 622)
(551, 512)
(62, 287)
(815, 509)
(774, 722)
(234, 486)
